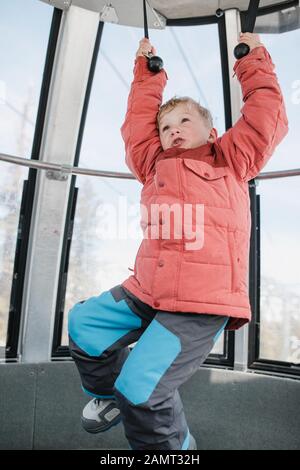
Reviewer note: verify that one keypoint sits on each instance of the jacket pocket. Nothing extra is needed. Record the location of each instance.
(207, 184)
(205, 170)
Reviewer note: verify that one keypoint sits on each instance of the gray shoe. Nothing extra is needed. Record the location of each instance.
(193, 443)
(99, 415)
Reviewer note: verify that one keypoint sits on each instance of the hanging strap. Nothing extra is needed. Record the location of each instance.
(251, 16)
(145, 20)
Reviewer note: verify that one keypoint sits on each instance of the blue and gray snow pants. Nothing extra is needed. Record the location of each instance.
(144, 381)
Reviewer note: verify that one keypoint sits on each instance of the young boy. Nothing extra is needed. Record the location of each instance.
(187, 286)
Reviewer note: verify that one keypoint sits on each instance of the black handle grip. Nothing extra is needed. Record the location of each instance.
(241, 50)
(155, 63)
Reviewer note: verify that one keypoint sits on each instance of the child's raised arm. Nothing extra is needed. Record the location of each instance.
(139, 131)
(249, 144)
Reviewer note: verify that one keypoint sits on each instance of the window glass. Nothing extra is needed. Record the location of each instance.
(280, 228)
(24, 31)
(106, 236)
(280, 269)
(284, 50)
(219, 346)
(192, 70)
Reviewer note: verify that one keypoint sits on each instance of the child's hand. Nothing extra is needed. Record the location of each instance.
(251, 39)
(145, 48)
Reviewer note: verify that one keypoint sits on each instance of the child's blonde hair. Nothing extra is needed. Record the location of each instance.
(175, 101)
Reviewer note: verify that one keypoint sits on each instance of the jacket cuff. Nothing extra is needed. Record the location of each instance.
(141, 70)
(258, 54)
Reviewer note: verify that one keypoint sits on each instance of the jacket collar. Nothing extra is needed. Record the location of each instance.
(197, 153)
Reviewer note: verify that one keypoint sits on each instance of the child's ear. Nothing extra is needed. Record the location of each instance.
(213, 135)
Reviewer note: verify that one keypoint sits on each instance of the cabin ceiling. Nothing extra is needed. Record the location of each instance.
(130, 12)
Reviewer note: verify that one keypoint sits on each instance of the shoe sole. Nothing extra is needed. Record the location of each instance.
(86, 424)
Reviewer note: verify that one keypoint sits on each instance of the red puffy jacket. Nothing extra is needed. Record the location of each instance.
(213, 279)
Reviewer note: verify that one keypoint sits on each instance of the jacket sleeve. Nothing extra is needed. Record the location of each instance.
(139, 131)
(249, 144)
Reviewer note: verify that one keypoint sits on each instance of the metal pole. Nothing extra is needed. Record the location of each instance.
(75, 49)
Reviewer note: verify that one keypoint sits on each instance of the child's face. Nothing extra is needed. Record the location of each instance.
(184, 127)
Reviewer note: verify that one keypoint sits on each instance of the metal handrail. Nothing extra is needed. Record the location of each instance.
(75, 170)
(267, 175)
(67, 169)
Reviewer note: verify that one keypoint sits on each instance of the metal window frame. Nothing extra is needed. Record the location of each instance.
(255, 363)
(232, 27)
(59, 350)
(17, 288)
(258, 366)
(76, 41)
(226, 359)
